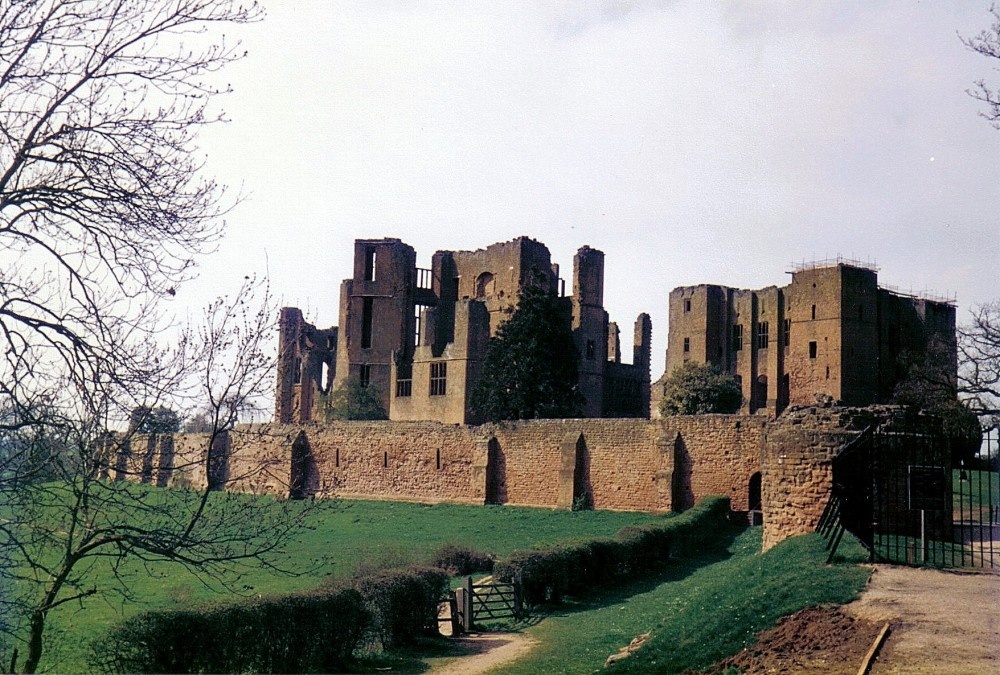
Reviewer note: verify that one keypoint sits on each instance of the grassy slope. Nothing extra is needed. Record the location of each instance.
(344, 536)
(699, 611)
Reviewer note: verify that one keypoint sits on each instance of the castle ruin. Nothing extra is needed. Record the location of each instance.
(417, 337)
(833, 333)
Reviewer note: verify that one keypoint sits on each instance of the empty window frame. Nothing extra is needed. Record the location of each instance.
(404, 380)
(737, 337)
(417, 325)
(814, 312)
(812, 349)
(591, 350)
(370, 263)
(297, 371)
(365, 374)
(786, 333)
(367, 321)
(687, 304)
(439, 378)
(687, 345)
(762, 334)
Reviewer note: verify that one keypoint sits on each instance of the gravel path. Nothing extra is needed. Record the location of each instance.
(942, 622)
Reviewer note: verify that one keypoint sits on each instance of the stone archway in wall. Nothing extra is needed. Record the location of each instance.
(760, 392)
(754, 500)
(583, 491)
(304, 479)
(496, 473)
(681, 493)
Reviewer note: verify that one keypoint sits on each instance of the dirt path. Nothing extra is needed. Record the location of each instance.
(483, 651)
(942, 622)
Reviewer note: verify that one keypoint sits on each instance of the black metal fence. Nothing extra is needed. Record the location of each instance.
(911, 500)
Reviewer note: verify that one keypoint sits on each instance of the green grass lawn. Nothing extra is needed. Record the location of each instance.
(344, 536)
(699, 610)
(974, 492)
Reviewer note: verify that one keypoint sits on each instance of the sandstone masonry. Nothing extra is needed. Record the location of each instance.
(781, 468)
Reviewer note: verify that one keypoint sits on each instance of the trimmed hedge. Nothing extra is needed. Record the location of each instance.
(402, 603)
(461, 560)
(549, 573)
(314, 632)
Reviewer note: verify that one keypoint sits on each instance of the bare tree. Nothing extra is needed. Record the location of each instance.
(987, 43)
(103, 212)
(102, 205)
(979, 362)
(73, 495)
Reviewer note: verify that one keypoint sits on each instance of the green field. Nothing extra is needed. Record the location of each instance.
(343, 537)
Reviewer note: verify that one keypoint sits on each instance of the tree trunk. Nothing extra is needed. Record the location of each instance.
(35, 641)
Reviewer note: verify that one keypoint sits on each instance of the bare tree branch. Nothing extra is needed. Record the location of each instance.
(987, 43)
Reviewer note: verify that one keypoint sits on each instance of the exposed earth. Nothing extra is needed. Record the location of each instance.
(940, 622)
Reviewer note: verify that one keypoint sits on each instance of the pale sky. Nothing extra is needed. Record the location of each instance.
(692, 142)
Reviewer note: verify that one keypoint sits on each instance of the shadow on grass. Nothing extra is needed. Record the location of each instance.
(602, 596)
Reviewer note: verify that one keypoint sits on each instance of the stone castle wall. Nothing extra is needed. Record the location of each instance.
(620, 464)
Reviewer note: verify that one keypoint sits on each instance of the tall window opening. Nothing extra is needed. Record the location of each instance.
(812, 349)
(439, 378)
(762, 335)
(814, 312)
(370, 263)
(687, 304)
(404, 380)
(591, 350)
(297, 371)
(737, 337)
(367, 319)
(417, 324)
(365, 374)
(687, 345)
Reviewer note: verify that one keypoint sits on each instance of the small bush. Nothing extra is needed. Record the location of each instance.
(461, 560)
(547, 574)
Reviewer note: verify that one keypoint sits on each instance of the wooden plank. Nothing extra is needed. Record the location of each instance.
(870, 656)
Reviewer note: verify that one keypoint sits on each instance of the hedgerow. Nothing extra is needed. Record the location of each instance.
(318, 631)
(547, 574)
(307, 632)
(402, 604)
(459, 560)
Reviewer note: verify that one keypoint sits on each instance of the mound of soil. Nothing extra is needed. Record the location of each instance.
(815, 640)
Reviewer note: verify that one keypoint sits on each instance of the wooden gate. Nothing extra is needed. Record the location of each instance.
(486, 600)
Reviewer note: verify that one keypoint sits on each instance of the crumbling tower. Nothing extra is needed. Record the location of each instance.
(590, 327)
(376, 313)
